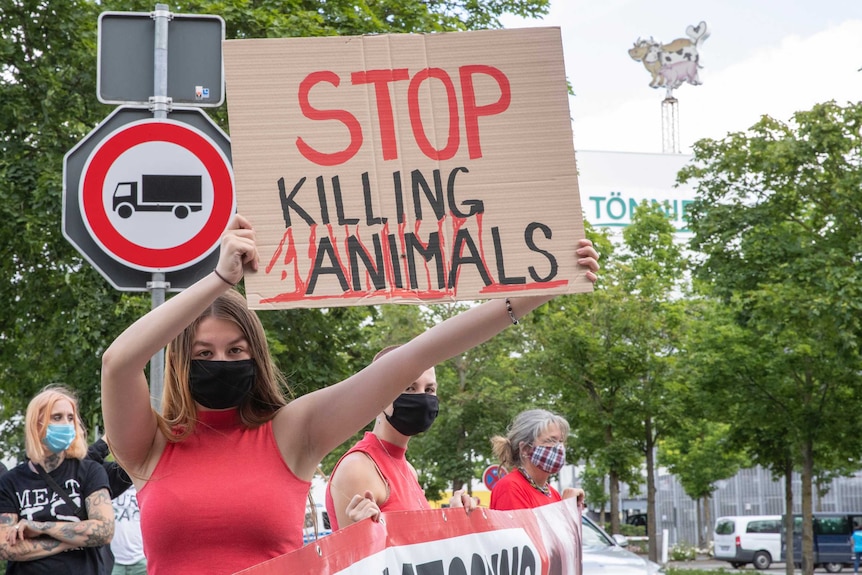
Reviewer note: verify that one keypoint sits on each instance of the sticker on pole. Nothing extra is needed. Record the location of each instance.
(156, 195)
(492, 474)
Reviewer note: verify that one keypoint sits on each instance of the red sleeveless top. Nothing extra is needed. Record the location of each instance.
(405, 493)
(221, 500)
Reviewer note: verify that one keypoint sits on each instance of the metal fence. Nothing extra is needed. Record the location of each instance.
(750, 492)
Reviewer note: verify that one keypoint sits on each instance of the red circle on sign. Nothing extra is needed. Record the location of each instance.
(493, 474)
(141, 257)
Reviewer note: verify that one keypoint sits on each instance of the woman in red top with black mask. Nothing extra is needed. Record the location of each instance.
(374, 476)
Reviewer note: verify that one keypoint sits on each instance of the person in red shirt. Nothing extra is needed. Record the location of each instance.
(533, 450)
(223, 472)
(374, 476)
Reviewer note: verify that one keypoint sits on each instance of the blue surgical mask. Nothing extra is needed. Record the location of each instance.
(59, 437)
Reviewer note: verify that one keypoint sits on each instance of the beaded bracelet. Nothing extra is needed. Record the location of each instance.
(511, 313)
(222, 278)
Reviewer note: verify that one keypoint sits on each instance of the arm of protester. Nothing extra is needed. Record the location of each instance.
(570, 492)
(356, 474)
(460, 498)
(305, 435)
(361, 507)
(95, 531)
(11, 549)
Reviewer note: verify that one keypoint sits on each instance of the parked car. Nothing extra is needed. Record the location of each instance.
(637, 519)
(605, 555)
(755, 539)
(833, 549)
(316, 524)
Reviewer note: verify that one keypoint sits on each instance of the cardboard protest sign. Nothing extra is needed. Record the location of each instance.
(541, 541)
(405, 168)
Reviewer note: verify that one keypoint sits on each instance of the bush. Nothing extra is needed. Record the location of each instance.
(683, 552)
(632, 530)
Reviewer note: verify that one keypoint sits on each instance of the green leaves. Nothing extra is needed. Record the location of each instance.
(777, 218)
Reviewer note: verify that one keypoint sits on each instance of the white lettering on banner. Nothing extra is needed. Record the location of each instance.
(502, 552)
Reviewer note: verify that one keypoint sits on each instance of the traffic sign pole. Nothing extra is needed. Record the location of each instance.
(185, 159)
(158, 285)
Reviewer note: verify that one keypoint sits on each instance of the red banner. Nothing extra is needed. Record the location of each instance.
(541, 541)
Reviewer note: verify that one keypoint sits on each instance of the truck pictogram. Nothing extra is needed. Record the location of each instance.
(159, 193)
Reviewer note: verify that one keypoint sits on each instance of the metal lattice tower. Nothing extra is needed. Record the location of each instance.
(670, 125)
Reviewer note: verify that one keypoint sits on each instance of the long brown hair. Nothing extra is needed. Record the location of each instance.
(267, 395)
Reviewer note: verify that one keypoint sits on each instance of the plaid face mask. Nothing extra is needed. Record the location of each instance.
(549, 458)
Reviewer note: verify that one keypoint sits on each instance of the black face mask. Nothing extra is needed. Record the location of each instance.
(221, 384)
(413, 413)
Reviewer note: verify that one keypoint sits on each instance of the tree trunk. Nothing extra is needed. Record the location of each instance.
(650, 480)
(807, 507)
(614, 488)
(613, 485)
(707, 523)
(789, 566)
(698, 505)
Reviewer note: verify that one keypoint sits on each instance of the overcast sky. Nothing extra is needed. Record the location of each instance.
(769, 57)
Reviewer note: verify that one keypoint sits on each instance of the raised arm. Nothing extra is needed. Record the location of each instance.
(129, 420)
(322, 420)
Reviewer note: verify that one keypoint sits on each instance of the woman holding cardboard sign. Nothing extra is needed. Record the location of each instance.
(227, 449)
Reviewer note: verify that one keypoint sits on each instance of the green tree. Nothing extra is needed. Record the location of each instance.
(700, 448)
(777, 218)
(611, 354)
(652, 274)
(480, 392)
(580, 355)
(58, 312)
(698, 452)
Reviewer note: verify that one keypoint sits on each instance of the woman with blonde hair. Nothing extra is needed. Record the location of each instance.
(55, 510)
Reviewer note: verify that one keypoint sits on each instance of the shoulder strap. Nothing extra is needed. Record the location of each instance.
(76, 510)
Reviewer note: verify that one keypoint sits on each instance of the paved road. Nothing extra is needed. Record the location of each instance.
(712, 565)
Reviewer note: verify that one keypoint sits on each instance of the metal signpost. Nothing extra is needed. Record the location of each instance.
(144, 195)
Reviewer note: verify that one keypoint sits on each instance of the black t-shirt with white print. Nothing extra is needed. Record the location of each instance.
(25, 493)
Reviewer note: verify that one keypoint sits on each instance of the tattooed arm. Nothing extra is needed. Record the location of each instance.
(29, 549)
(95, 531)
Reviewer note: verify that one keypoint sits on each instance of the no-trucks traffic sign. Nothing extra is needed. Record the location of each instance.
(144, 195)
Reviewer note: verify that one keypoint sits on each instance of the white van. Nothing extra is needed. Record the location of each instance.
(745, 539)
